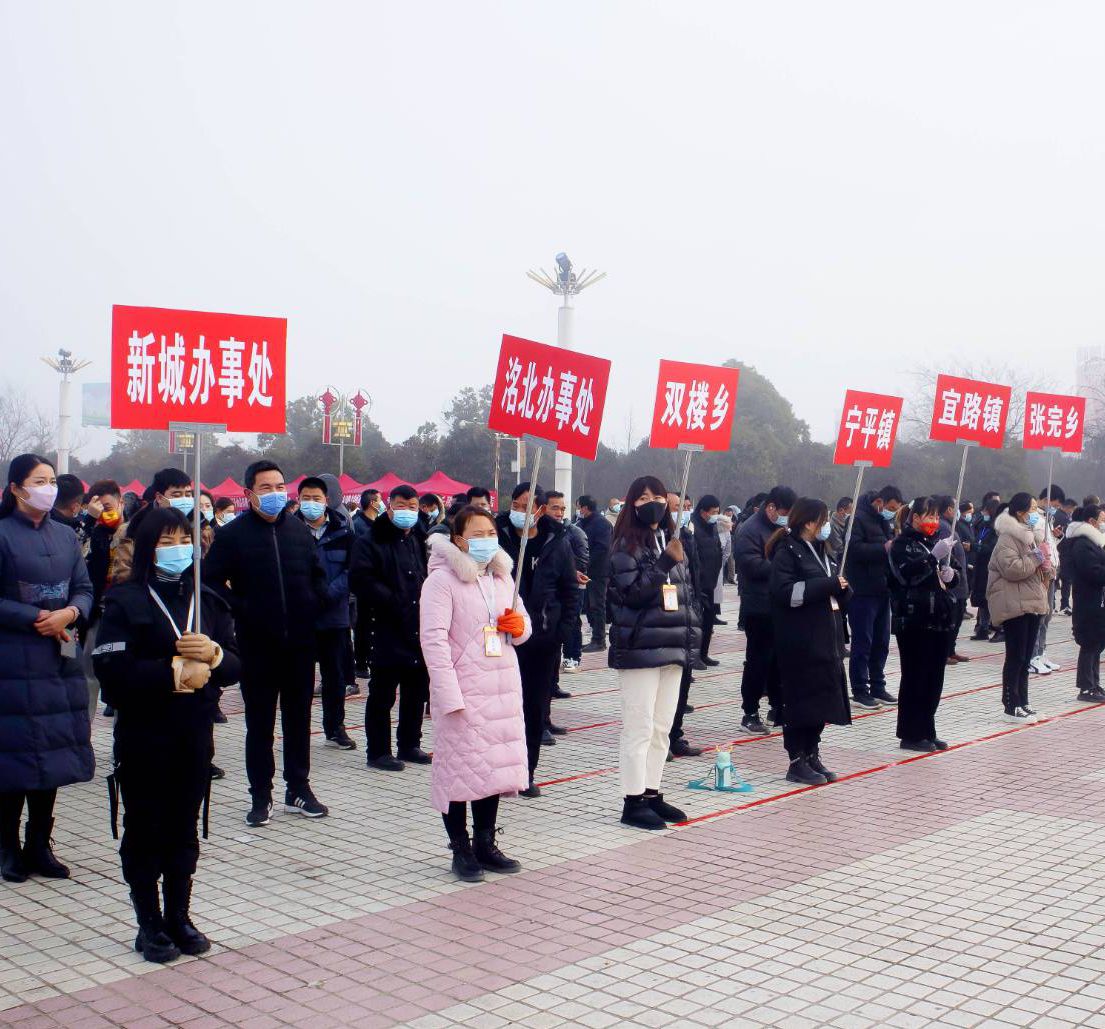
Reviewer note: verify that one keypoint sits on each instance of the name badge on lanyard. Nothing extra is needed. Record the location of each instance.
(492, 640)
(165, 611)
(669, 594)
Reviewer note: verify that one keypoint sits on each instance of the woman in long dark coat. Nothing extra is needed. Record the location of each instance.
(1082, 557)
(45, 737)
(806, 598)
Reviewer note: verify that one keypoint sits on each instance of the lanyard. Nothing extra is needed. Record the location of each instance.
(165, 611)
(490, 604)
(820, 560)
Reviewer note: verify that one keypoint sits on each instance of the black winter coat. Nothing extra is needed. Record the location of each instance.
(335, 551)
(45, 738)
(642, 633)
(753, 567)
(272, 577)
(581, 547)
(919, 600)
(599, 533)
(1082, 560)
(388, 570)
(549, 587)
(706, 566)
(809, 639)
(866, 570)
(986, 538)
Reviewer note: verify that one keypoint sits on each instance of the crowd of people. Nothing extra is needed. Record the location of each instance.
(477, 615)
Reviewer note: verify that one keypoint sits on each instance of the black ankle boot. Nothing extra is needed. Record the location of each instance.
(152, 942)
(668, 812)
(815, 762)
(637, 812)
(801, 772)
(178, 923)
(37, 854)
(13, 868)
(465, 866)
(490, 858)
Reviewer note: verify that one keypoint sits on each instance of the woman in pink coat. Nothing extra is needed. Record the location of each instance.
(468, 633)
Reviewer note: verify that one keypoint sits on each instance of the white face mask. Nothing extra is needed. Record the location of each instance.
(41, 498)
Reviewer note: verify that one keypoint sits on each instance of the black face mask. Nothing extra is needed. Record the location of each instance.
(651, 513)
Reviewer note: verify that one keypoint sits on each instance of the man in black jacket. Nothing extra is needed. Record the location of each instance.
(869, 607)
(701, 536)
(599, 532)
(549, 589)
(556, 507)
(389, 568)
(265, 563)
(761, 669)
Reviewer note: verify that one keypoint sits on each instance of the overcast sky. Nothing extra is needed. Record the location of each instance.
(832, 192)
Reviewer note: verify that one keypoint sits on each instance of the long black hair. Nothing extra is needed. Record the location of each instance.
(157, 521)
(803, 511)
(20, 467)
(629, 533)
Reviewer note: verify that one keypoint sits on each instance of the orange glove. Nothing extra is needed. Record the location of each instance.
(511, 622)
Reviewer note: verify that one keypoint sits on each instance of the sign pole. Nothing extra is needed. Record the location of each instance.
(690, 449)
(197, 521)
(862, 466)
(539, 446)
(966, 444)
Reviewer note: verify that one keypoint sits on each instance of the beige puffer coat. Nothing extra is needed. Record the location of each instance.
(1018, 581)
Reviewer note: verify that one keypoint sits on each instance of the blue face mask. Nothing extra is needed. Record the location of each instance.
(312, 509)
(518, 519)
(823, 532)
(685, 519)
(272, 504)
(482, 549)
(1034, 519)
(175, 559)
(713, 519)
(781, 521)
(985, 518)
(887, 514)
(183, 504)
(404, 519)
(227, 518)
(968, 518)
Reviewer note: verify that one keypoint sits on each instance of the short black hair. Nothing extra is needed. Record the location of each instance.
(104, 488)
(428, 499)
(156, 521)
(783, 497)
(587, 501)
(965, 505)
(403, 492)
(540, 498)
(708, 501)
(167, 478)
(890, 493)
(368, 496)
(554, 494)
(843, 502)
(255, 469)
(1087, 511)
(313, 482)
(1057, 493)
(1019, 502)
(223, 503)
(478, 492)
(70, 488)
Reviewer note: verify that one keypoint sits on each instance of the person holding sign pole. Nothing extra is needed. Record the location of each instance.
(164, 680)
(703, 537)
(655, 632)
(923, 615)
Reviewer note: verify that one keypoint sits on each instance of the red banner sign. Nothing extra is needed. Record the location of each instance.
(195, 366)
(1054, 420)
(868, 428)
(694, 404)
(966, 409)
(553, 394)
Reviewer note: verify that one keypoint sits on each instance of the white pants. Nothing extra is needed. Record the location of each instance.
(649, 699)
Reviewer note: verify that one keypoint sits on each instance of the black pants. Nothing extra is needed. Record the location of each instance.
(957, 624)
(332, 645)
(412, 682)
(362, 635)
(162, 791)
(982, 621)
(595, 602)
(1020, 642)
(484, 813)
(924, 658)
(40, 809)
(272, 675)
(709, 616)
(537, 663)
(1065, 584)
(802, 740)
(1088, 675)
(761, 669)
(681, 709)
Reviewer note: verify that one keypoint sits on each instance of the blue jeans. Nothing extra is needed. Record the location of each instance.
(869, 622)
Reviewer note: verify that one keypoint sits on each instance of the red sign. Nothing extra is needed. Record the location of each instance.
(694, 404)
(966, 409)
(549, 393)
(1054, 420)
(868, 428)
(194, 366)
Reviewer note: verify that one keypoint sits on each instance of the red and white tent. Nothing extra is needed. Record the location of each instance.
(228, 488)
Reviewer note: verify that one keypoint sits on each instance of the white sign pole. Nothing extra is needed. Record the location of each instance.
(862, 466)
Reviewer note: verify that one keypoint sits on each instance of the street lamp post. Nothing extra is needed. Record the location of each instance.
(565, 284)
(65, 365)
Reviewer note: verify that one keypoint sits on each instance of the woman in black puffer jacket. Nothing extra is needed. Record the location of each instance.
(655, 631)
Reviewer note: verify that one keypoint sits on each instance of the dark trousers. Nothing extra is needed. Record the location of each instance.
(982, 621)
(924, 657)
(484, 813)
(1088, 674)
(1065, 584)
(681, 709)
(162, 794)
(362, 636)
(957, 624)
(802, 740)
(573, 648)
(869, 623)
(537, 662)
(271, 675)
(1020, 642)
(595, 602)
(412, 682)
(761, 669)
(332, 659)
(40, 809)
(709, 616)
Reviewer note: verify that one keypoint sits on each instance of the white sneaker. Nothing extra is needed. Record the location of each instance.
(1038, 667)
(1050, 664)
(1020, 716)
(571, 665)
(1028, 710)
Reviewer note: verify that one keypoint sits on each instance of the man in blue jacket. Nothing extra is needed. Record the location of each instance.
(334, 540)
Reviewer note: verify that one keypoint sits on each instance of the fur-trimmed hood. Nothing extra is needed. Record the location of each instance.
(1076, 529)
(1007, 524)
(444, 553)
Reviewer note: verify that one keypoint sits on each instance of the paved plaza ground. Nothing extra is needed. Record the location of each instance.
(963, 888)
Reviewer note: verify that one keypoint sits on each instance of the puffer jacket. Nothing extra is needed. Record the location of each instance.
(867, 570)
(1017, 581)
(549, 585)
(753, 567)
(1083, 559)
(642, 633)
(475, 700)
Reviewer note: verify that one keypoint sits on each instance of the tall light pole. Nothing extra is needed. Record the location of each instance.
(65, 365)
(565, 284)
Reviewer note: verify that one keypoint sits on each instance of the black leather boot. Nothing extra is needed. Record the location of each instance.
(668, 812)
(178, 923)
(13, 868)
(152, 942)
(637, 812)
(37, 854)
(489, 856)
(465, 866)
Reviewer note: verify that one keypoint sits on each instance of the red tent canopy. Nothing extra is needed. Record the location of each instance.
(134, 486)
(227, 488)
(293, 486)
(350, 488)
(442, 485)
(386, 483)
